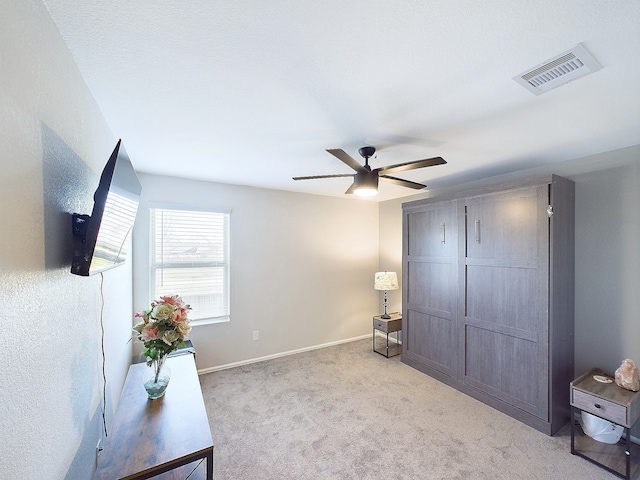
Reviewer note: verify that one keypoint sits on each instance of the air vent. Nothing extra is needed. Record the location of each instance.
(564, 68)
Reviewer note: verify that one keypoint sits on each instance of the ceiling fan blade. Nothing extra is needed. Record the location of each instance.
(351, 188)
(346, 158)
(403, 167)
(324, 176)
(401, 182)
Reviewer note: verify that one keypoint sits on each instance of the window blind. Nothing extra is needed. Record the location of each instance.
(190, 258)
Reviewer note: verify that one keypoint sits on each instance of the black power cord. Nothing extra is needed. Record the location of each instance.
(104, 373)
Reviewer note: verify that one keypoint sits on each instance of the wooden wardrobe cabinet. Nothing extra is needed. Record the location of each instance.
(488, 291)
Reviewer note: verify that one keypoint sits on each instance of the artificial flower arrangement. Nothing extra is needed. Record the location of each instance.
(163, 328)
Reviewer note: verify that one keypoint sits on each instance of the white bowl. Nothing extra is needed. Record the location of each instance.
(599, 429)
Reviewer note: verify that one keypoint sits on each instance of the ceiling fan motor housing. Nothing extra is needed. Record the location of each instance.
(366, 180)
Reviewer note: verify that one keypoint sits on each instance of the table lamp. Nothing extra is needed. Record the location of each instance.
(385, 281)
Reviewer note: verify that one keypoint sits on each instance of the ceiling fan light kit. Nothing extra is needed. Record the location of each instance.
(365, 184)
(365, 180)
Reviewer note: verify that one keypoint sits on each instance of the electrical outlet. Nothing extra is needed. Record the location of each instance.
(256, 334)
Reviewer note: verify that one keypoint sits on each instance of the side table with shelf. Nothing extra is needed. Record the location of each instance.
(614, 404)
(386, 326)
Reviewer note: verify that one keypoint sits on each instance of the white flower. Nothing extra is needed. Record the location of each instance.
(170, 336)
(163, 312)
(183, 329)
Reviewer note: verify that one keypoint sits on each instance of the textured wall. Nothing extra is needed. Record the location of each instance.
(53, 144)
(301, 267)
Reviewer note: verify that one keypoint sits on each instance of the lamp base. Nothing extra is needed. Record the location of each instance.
(385, 316)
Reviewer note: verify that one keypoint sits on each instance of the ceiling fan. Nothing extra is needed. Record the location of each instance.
(365, 180)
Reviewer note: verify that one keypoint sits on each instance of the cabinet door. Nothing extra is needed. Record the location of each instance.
(505, 291)
(430, 264)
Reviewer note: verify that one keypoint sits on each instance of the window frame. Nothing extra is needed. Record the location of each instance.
(153, 265)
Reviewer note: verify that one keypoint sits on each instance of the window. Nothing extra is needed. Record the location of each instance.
(190, 258)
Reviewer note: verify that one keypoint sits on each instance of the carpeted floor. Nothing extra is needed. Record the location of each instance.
(345, 412)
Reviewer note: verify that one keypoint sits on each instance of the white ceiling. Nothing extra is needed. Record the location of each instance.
(252, 92)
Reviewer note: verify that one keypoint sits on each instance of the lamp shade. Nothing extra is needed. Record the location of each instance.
(385, 281)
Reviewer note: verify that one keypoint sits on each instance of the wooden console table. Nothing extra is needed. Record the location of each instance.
(168, 436)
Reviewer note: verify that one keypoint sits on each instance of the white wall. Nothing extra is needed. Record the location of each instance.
(607, 250)
(390, 255)
(607, 267)
(53, 144)
(302, 267)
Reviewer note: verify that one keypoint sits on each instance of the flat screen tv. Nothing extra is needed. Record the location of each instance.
(100, 240)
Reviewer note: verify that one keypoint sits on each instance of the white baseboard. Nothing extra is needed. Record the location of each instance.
(278, 355)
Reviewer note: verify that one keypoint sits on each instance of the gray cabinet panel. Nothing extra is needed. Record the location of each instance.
(430, 231)
(430, 288)
(490, 310)
(504, 225)
(429, 298)
(506, 288)
(503, 296)
(429, 339)
(504, 366)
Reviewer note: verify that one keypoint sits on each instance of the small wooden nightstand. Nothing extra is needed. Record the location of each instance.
(387, 326)
(614, 404)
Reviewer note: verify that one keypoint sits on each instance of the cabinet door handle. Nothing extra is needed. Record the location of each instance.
(442, 233)
(597, 405)
(477, 231)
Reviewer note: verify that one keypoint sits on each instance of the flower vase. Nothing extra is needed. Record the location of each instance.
(156, 377)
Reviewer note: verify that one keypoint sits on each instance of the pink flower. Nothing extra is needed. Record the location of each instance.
(180, 316)
(170, 300)
(150, 332)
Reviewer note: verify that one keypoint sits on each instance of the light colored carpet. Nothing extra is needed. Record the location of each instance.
(345, 412)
